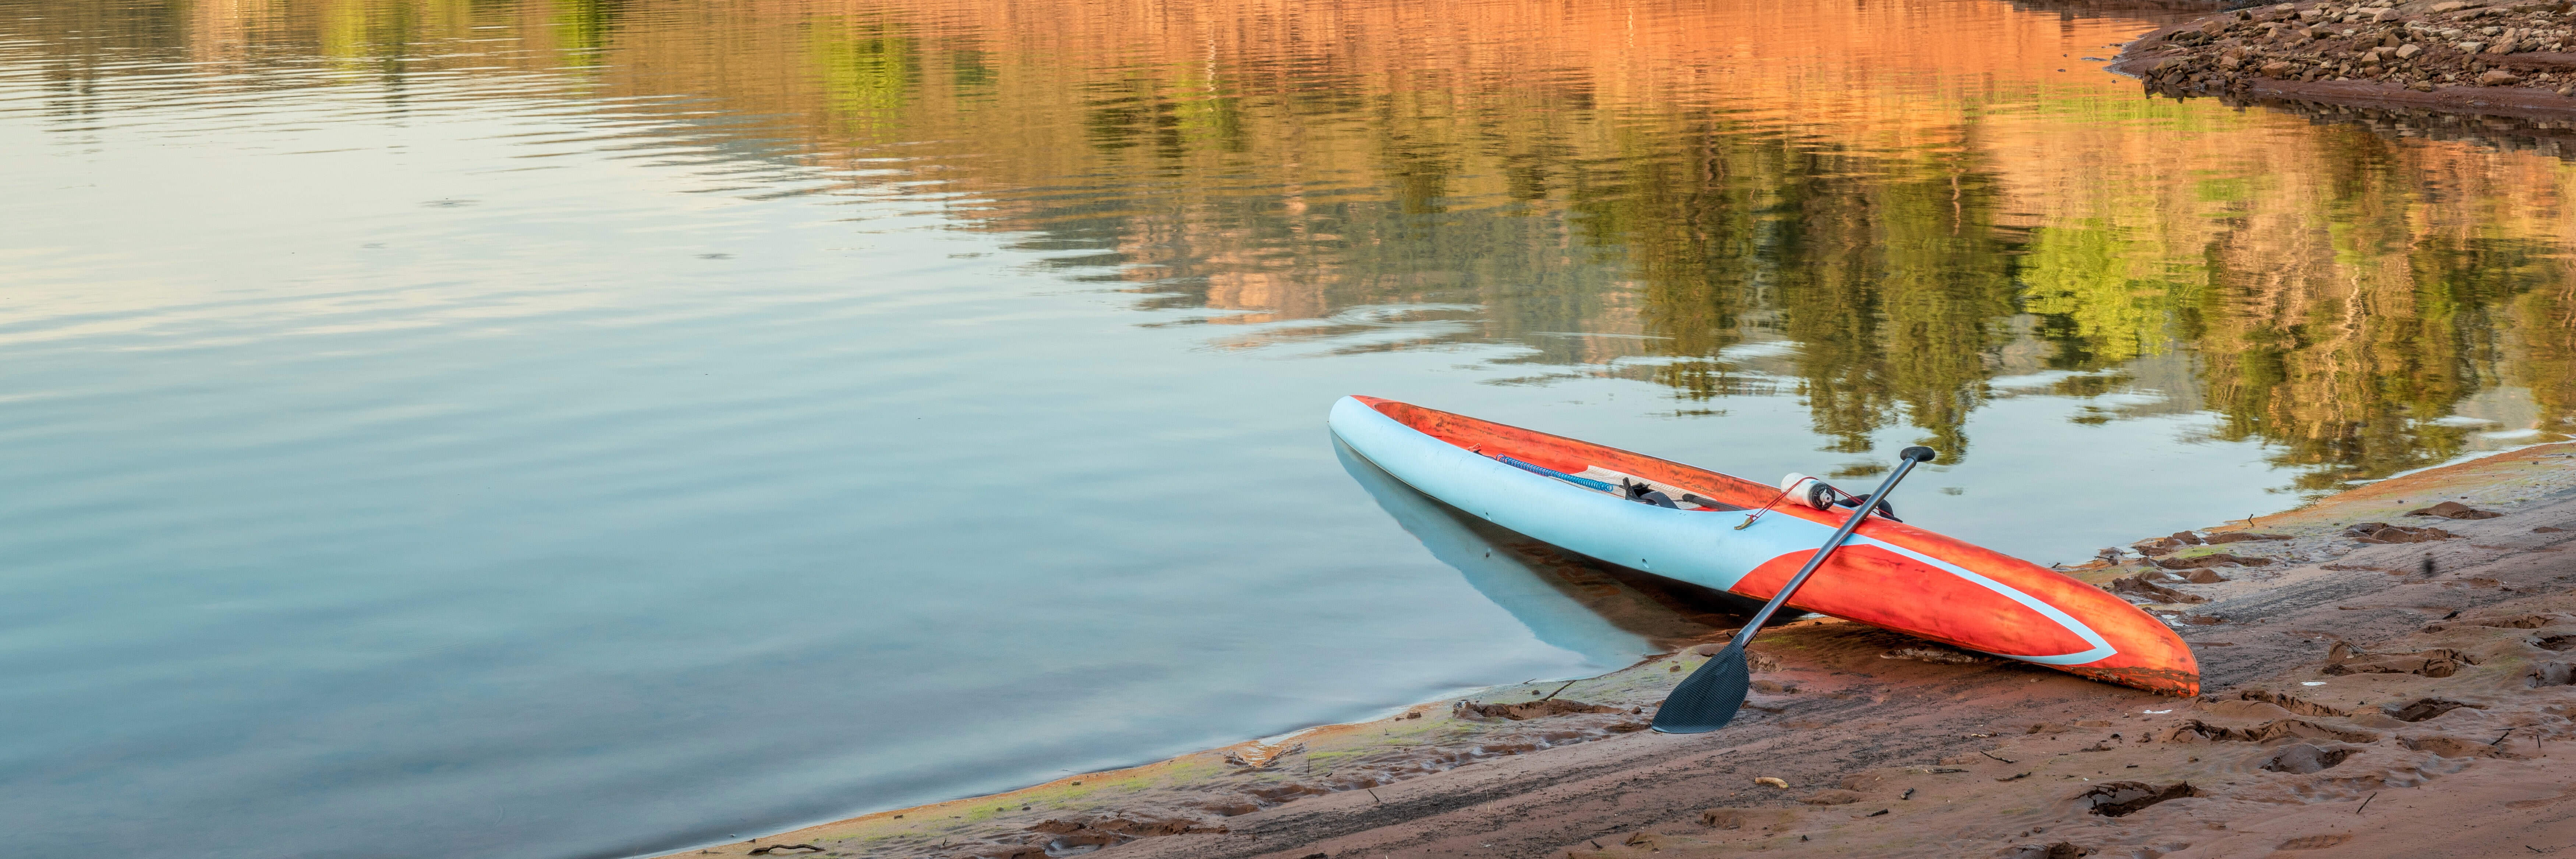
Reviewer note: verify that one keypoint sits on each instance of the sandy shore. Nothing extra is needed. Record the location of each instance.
(2355, 706)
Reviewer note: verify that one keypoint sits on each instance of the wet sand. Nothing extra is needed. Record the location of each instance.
(2355, 705)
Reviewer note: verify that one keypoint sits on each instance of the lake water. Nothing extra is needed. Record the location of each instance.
(570, 428)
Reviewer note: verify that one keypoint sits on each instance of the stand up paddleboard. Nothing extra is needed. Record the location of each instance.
(1679, 522)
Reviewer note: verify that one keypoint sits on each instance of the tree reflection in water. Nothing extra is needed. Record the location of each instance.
(1881, 209)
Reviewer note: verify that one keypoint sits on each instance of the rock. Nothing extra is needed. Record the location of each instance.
(2302, 759)
(1533, 709)
(2247, 710)
(2195, 730)
(2275, 69)
(2454, 509)
(1774, 687)
(2470, 47)
(2502, 46)
(2213, 560)
(2425, 708)
(2196, 575)
(2451, 6)
(1106, 831)
(2409, 51)
(1768, 781)
(2123, 798)
(2550, 674)
(2421, 86)
(1831, 797)
(2517, 621)
(2382, 532)
(2059, 850)
(2242, 536)
(2185, 537)
(2438, 662)
(1708, 649)
(2293, 704)
(2138, 585)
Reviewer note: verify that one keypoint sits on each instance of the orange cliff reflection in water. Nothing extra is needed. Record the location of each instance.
(1913, 194)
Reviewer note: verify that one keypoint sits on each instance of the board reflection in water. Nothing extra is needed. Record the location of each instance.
(1608, 615)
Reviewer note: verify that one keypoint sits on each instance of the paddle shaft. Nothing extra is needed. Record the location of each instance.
(1905, 463)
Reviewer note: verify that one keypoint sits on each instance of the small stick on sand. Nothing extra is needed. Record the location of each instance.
(2365, 803)
(1552, 695)
(2005, 760)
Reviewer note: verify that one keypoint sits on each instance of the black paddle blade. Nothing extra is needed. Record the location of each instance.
(1707, 699)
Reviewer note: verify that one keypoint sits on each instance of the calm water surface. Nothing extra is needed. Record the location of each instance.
(519, 428)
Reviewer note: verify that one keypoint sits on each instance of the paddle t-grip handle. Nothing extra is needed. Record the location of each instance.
(1918, 453)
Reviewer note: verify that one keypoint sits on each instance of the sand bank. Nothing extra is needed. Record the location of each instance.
(2356, 705)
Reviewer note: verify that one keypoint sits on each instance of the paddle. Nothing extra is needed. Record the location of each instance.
(1708, 699)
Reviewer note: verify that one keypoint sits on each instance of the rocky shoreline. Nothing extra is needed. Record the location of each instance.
(2383, 673)
(2467, 55)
